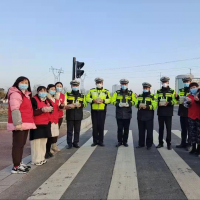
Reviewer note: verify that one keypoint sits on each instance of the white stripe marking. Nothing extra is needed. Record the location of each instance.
(124, 184)
(55, 186)
(177, 133)
(188, 180)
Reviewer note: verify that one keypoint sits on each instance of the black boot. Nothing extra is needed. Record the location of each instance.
(125, 144)
(181, 146)
(159, 146)
(194, 149)
(138, 147)
(169, 147)
(76, 146)
(69, 146)
(198, 150)
(119, 144)
(94, 144)
(101, 144)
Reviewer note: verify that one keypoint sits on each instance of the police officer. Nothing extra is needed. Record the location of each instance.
(146, 105)
(123, 99)
(183, 112)
(74, 114)
(166, 100)
(98, 98)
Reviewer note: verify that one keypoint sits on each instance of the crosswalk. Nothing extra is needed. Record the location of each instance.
(124, 183)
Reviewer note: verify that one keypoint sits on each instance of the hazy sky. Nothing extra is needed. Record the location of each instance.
(112, 37)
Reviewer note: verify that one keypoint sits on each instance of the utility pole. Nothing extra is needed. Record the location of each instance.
(82, 83)
(56, 73)
(190, 71)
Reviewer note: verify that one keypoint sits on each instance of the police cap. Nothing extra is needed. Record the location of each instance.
(75, 82)
(164, 79)
(98, 80)
(187, 78)
(124, 81)
(145, 84)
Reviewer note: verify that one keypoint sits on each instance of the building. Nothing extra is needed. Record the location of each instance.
(179, 82)
(115, 88)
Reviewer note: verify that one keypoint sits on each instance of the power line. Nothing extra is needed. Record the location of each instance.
(151, 64)
(56, 76)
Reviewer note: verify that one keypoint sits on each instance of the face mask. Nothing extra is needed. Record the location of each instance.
(42, 94)
(145, 91)
(58, 89)
(186, 84)
(124, 87)
(23, 86)
(165, 85)
(193, 90)
(99, 85)
(75, 88)
(51, 92)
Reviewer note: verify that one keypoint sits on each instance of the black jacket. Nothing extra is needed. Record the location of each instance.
(182, 110)
(75, 113)
(145, 114)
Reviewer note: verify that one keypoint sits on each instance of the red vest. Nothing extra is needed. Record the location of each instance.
(55, 113)
(62, 100)
(44, 118)
(194, 109)
(25, 109)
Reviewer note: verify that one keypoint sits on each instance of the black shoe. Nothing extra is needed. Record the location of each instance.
(125, 144)
(181, 146)
(101, 144)
(76, 146)
(148, 148)
(194, 149)
(159, 146)
(94, 144)
(48, 155)
(119, 144)
(138, 147)
(69, 146)
(169, 147)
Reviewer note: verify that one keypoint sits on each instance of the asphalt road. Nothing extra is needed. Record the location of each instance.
(155, 175)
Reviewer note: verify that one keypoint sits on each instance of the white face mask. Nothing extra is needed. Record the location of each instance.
(99, 85)
(165, 85)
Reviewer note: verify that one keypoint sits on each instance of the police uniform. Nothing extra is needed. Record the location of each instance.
(98, 111)
(74, 115)
(165, 113)
(145, 117)
(183, 113)
(123, 113)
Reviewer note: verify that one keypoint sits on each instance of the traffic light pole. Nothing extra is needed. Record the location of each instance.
(74, 68)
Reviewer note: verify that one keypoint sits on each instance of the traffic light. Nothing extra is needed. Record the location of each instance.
(79, 66)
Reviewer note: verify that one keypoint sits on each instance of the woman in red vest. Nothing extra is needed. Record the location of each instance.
(38, 137)
(51, 89)
(20, 120)
(193, 118)
(62, 101)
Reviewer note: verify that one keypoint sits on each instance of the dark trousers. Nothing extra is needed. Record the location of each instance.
(98, 121)
(50, 141)
(19, 141)
(144, 126)
(167, 121)
(73, 126)
(123, 130)
(184, 129)
(60, 122)
(193, 131)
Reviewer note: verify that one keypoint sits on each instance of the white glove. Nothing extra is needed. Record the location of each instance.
(127, 105)
(120, 104)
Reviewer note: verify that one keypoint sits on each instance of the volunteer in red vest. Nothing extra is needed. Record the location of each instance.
(51, 89)
(62, 100)
(193, 118)
(20, 120)
(38, 137)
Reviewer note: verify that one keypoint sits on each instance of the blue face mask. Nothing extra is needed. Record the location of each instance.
(145, 91)
(186, 84)
(58, 89)
(124, 87)
(193, 90)
(42, 94)
(75, 88)
(23, 86)
(51, 92)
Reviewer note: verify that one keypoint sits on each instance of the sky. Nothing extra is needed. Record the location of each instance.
(115, 38)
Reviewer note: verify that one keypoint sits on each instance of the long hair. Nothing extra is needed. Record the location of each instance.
(16, 83)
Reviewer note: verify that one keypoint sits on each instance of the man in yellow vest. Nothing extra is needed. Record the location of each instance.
(99, 98)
